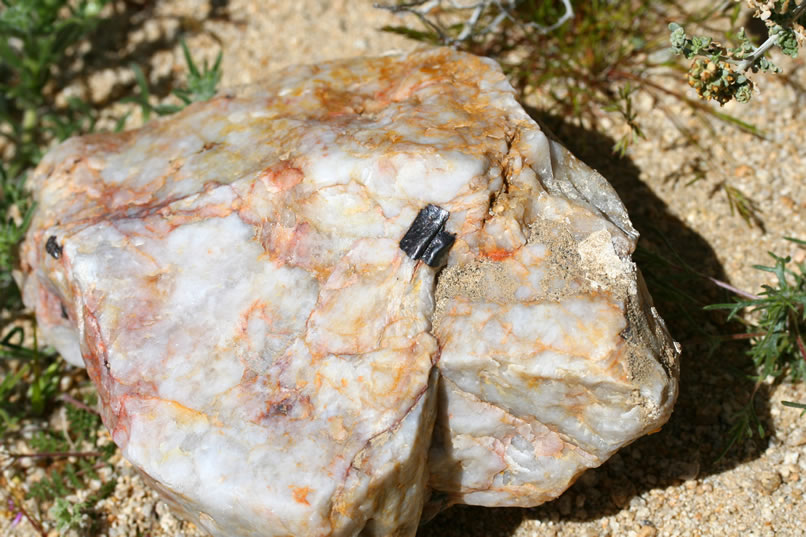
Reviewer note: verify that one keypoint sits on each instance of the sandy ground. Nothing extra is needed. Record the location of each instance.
(666, 484)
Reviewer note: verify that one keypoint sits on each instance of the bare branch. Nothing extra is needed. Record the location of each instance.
(54, 455)
(734, 290)
(75, 402)
(568, 15)
(470, 14)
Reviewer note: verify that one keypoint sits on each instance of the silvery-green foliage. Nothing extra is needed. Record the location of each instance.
(719, 72)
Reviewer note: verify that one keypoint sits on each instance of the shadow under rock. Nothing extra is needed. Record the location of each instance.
(711, 389)
(219, 10)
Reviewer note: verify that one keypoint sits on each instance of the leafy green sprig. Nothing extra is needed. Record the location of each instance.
(713, 73)
(623, 106)
(778, 346)
(775, 320)
(81, 454)
(719, 72)
(80, 515)
(200, 85)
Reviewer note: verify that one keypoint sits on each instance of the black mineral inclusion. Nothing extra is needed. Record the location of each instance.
(426, 238)
(52, 247)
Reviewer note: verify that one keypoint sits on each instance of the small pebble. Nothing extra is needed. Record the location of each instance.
(647, 531)
(797, 438)
(769, 481)
(65, 383)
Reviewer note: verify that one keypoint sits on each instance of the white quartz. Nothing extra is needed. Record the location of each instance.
(273, 362)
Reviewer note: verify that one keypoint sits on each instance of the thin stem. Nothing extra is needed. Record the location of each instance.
(797, 12)
(793, 319)
(801, 346)
(691, 102)
(423, 8)
(771, 41)
(746, 336)
(410, 8)
(54, 454)
(34, 522)
(566, 16)
(96, 467)
(732, 289)
(728, 337)
(751, 60)
(470, 24)
(19, 503)
(75, 402)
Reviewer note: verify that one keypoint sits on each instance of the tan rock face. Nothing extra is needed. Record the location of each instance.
(274, 362)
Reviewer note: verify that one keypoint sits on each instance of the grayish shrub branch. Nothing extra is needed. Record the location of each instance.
(471, 14)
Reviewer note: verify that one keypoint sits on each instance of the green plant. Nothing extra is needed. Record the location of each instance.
(775, 320)
(777, 333)
(28, 390)
(17, 209)
(79, 515)
(720, 72)
(201, 85)
(67, 515)
(624, 107)
(35, 36)
(795, 405)
(37, 39)
(75, 456)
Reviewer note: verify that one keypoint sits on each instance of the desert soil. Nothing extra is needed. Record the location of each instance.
(667, 484)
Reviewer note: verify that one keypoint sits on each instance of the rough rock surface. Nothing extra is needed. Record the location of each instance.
(264, 350)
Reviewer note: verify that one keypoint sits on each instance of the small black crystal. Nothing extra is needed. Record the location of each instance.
(438, 248)
(52, 247)
(426, 238)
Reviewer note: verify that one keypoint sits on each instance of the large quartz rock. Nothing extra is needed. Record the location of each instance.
(265, 351)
